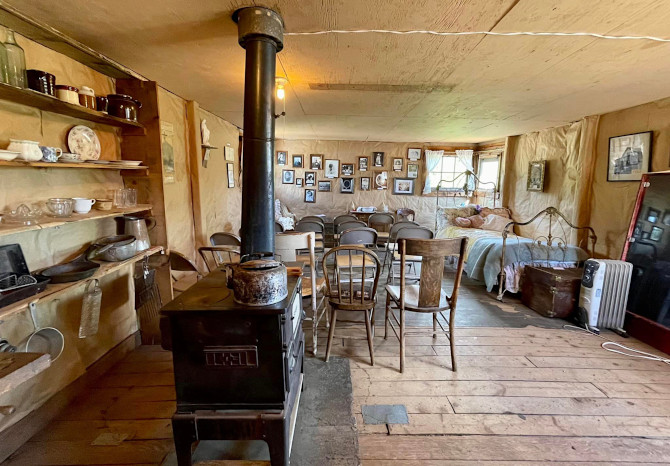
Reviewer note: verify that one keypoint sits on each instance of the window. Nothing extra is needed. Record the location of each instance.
(487, 173)
(447, 171)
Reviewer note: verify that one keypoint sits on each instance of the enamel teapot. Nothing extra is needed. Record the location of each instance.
(28, 150)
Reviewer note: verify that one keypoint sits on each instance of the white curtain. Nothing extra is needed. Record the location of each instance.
(465, 156)
(433, 158)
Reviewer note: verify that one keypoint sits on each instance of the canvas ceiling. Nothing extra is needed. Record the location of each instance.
(499, 86)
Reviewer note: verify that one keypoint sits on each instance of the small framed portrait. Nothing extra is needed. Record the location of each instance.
(656, 234)
(310, 178)
(653, 215)
(310, 195)
(666, 218)
(535, 181)
(645, 235)
(298, 182)
(403, 186)
(397, 165)
(638, 229)
(381, 180)
(229, 153)
(412, 170)
(363, 164)
(378, 159)
(629, 156)
(288, 176)
(414, 154)
(324, 186)
(332, 168)
(347, 169)
(297, 161)
(230, 168)
(365, 183)
(316, 161)
(347, 185)
(282, 156)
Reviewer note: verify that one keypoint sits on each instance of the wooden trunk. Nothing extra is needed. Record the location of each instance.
(551, 292)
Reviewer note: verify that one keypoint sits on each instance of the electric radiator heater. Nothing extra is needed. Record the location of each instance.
(604, 292)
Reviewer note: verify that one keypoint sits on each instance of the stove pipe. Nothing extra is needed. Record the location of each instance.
(260, 33)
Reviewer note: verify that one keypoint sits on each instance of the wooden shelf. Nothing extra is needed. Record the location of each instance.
(16, 368)
(53, 105)
(53, 291)
(52, 222)
(14, 163)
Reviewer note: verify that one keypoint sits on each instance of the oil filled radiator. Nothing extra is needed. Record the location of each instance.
(604, 293)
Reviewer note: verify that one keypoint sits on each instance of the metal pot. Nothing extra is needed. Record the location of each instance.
(139, 227)
(113, 248)
(258, 281)
(123, 106)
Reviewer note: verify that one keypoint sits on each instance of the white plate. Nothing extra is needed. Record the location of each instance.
(82, 140)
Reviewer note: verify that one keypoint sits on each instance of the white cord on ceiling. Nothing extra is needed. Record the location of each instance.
(473, 33)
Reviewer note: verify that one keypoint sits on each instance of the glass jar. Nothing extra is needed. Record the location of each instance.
(16, 61)
(4, 65)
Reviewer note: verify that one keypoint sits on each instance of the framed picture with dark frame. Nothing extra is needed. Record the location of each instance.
(656, 234)
(381, 180)
(297, 161)
(535, 181)
(414, 154)
(310, 195)
(287, 176)
(629, 156)
(282, 156)
(347, 169)
(378, 159)
(347, 185)
(315, 162)
(363, 164)
(332, 168)
(324, 186)
(365, 183)
(298, 182)
(653, 215)
(397, 165)
(310, 178)
(412, 170)
(403, 186)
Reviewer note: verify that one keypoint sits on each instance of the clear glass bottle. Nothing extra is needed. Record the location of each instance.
(16, 60)
(4, 78)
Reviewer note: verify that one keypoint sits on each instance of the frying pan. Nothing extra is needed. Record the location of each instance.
(78, 269)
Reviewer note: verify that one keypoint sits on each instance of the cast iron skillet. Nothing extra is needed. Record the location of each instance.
(78, 269)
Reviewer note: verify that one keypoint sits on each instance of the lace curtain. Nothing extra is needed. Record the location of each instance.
(433, 158)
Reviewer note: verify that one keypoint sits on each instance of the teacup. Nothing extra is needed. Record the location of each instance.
(82, 205)
(69, 157)
(51, 154)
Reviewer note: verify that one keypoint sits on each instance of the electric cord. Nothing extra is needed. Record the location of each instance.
(473, 33)
(633, 353)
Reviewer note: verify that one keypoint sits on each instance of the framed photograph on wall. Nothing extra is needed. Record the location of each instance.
(653, 215)
(310, 195)
(378, 159)
(535, 181)
(282, 156)
(656, 234)
(381, 180)
(297, 161)
(403, 186)
(230, 168)
(298, 182)
(629, 156)
(347, 185)
(363, 164)
(324, 186)
(412, 170)
(310, 178)
(229, 153)
(397, 165)
(365, 183)
(316, 161)
(332, 168)
(347, 169)
(288, 176)
(414, 154)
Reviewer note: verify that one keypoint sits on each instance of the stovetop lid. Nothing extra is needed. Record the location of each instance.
(260, 264)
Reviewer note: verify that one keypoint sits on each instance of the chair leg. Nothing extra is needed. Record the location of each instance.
(315, 323)
(452, 341)
(402, 340)
(434, 325)
(368, 331)
(331, 332)
(386, 316)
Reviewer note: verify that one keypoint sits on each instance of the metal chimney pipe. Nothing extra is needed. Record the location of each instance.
(260, 33)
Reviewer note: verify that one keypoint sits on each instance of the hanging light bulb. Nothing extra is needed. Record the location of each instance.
(280, 84)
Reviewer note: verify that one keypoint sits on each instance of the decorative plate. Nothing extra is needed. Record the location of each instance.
(82, 140)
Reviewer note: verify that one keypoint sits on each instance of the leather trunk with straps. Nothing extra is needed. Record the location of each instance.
(551, 292)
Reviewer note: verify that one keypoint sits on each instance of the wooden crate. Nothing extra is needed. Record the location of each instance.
(551, 292)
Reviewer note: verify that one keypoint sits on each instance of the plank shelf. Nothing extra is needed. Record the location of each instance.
(55, 290)
(53, 105)
(52, 222)
(16, 368)
(20, 164)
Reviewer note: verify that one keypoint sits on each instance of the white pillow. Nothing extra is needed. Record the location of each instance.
(495, 223)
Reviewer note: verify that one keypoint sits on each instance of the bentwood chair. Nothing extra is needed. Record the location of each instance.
(222, 238)
(216, 256)
(428, 296)
(412, 232)
(405, 214)
(382, 222)
(287, 246)
(350, 289)
(390, 245)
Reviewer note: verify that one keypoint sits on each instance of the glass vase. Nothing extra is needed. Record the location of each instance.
(4, 78)
(16, 61)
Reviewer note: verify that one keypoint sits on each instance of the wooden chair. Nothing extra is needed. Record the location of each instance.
(405, 214)
(216, 256)
(181, 263)
(390, 245)
(350, 290)
(222, 238)
(428, 296)
(382, 222)
(344, 218)
(350, 225)
(364, 237)
(287, 246)
(413, 232)
(317, 227)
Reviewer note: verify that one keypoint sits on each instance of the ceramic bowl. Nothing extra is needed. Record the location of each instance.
(103, 204)
(8, 155)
